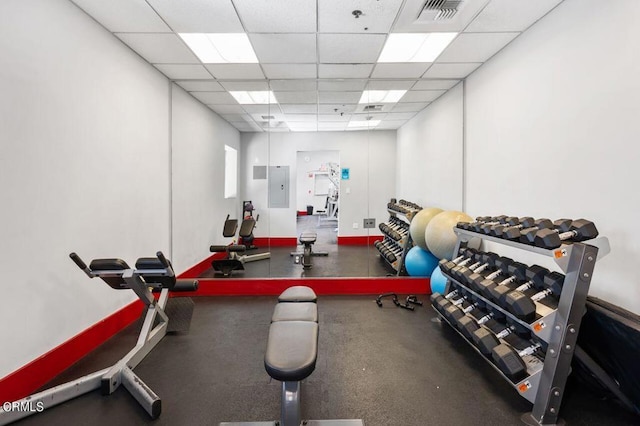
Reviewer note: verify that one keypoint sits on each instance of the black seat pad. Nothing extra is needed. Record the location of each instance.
(118, 282)
(298, 293)
(308, 237)
(151, 263)
(305, 311)
(246, 229)
(230, 227)
(292, 350)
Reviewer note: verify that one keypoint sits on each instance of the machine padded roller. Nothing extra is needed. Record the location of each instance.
(298, 293)
(237, 248)
(186, 285)
(306, 311)
(292, 350)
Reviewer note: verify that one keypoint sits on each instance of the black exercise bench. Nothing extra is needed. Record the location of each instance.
(235, 259)
(150, 275)
(307, 239)
(291, 354)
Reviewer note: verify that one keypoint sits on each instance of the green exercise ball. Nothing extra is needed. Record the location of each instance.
(419, 225)
(439, 235)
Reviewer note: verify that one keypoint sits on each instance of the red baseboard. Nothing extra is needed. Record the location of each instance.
(322, 286)
(359, 240)
(200, 267)
(275, 241)
(301, 213)
(38, 372)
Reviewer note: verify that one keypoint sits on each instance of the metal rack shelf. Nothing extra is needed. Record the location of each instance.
(405, 243)
(558, 328)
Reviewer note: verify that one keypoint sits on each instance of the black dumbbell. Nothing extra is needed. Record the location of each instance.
(502, 269)
(476, 318)
(472, 276)
(467, 225)
(478, 226)
(510, 362)
(486, 338)
(534, 275)
(511, 230)
(466, 256)
(494, 228)
(523, 307)
(528, 236)
(579, 230)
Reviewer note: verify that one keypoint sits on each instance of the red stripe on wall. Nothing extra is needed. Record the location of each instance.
(275, 241)
(38, 372)
(359, 240)
(322, 286)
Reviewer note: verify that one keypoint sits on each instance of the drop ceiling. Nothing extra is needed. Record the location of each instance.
(315, 55)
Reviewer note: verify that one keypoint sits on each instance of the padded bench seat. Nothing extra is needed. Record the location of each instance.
(298, 293)
(292, 350)
(305, 311)
(308, 237)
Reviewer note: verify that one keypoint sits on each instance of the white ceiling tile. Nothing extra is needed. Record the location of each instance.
(301, 126)
(410, 106)
(412, 70)
(282, 71)
(262, 109)
(344, 70)
(422, 95)
(236, 117)
(199, 16)
(350, 48)
(369, 116)
(124, 16)
(245, 85)
(339, 97)
(299, 108)
(200, 86)
(390, 124)
(335, 16)
(297, 97)
(510, 15)
(400, 115)
(332, 126)
(460, 70)
(292, 85)
(159, 48)
(340, 84)
(284, 48)
(336, 117)
(336, 108)
(435, 84)
(476, 47)
(214, 98)
(301, 117)
(236, 71)
(227, 109)
(282, 16)
(184, 72)
(390, 84)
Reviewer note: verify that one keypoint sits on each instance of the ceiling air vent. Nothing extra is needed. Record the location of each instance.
(372, 108)
(439, 10)
(268, 117)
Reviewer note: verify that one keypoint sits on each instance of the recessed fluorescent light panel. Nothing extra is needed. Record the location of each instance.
(260, 97)
(415, 47)
(221, 48)
(363, 123)
(381, 96)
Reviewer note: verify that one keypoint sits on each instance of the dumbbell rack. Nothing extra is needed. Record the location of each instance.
(557, 328)
(405, 243)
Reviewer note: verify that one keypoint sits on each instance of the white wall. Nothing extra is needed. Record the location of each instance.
(551, 126)
(370, 156)
(198, 168)
(83, 166)
(429, 163)
(86, 166)
(307, 164)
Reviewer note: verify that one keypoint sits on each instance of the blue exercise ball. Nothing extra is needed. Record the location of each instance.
(438, 281)
(419, 262)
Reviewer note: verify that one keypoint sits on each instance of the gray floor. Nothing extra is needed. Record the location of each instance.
(355, 261)
(386, 365)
